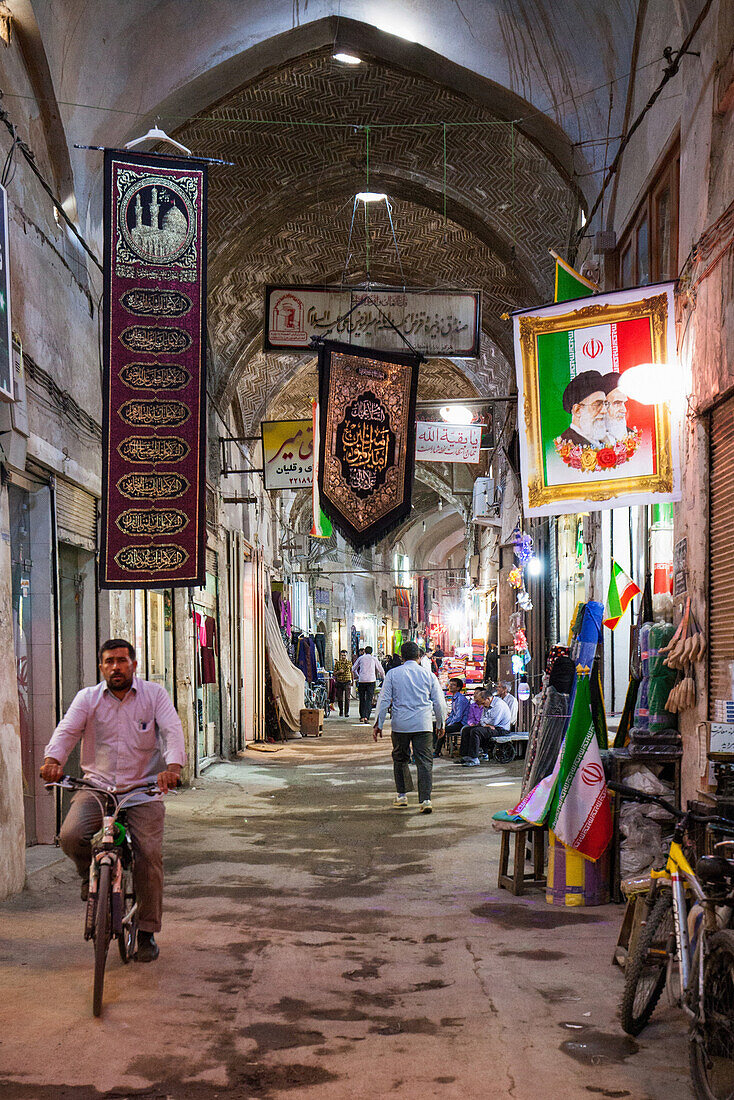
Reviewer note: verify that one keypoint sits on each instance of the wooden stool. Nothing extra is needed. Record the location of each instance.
(518, 880)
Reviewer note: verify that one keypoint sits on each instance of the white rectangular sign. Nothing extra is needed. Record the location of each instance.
(436, 323)
(439, 442)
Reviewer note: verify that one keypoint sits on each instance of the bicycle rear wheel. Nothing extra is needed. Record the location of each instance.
(711, 1044)
(646, 970)
(102, 934)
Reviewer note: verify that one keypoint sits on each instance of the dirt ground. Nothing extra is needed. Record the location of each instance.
(319, 943)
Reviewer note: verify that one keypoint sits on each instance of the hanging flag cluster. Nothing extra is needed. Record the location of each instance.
(523, 550)
(621, 591)
(573, 799)
(154, 381)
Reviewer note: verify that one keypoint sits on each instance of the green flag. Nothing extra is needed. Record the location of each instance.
(569, 283)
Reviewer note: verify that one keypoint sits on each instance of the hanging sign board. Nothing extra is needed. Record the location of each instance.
(586, 445)
(366, 439)
(436, 323)
(6, 329)
(287, 453)
(154, 384)
(439, 442)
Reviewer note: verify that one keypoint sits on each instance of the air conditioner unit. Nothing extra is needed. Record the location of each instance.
(300, 545)
(485, 506)
(474, 567)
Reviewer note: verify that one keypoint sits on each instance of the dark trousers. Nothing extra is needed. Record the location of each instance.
(366, 695)
(474, 739)
(145, 823)
(439, 742)
(343, 695)
(422, 744)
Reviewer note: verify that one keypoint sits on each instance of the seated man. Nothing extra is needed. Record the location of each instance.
(503, 691)
(457, 716)
(477, 738)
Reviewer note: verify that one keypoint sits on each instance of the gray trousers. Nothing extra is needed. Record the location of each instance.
(146, 830)
(423, 751)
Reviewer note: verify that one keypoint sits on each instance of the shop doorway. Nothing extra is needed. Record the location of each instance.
(207, 702)
(32, 582)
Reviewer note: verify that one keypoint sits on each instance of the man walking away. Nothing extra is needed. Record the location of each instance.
(130, 733)
(503, 690)
(343, 676)
(415, 697)
(457, 716)
(367, 668)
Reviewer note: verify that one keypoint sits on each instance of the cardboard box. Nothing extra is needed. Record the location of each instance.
(312, 722)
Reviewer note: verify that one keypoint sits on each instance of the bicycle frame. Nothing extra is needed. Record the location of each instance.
(679, 875)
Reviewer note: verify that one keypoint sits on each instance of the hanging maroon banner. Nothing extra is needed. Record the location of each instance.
(154, 382)
(366, 439)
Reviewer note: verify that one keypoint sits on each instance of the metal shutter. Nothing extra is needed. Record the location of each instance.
(721, 559)
(76, 515)
(211, 562)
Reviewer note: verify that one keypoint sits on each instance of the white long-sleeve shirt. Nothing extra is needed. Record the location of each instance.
(367, 668)
(124, 741)
(415, 696)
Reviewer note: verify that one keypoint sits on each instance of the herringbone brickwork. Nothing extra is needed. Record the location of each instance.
(283, 213)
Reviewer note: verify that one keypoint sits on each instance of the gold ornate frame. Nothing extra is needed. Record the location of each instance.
(529, 328)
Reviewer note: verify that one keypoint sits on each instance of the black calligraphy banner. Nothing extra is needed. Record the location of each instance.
(154, 382)
(366, 439)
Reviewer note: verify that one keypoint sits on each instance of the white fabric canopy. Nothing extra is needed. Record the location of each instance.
(288, 681)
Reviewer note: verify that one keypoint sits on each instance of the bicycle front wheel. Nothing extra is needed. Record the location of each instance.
(646, 970)
(711, 1044)
(102, 934)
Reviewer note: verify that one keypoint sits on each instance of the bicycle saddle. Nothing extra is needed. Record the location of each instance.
(714, 868)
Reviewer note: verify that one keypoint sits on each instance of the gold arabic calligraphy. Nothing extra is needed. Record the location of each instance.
(154, 376)
(152, 486)
(151, 559)
(154, 413)
(155, 339)
(152, 521)
(153, 448)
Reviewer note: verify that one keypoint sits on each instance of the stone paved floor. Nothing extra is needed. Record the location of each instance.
(318, 943)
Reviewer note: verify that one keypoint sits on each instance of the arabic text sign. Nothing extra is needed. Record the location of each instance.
(287, 453)
(436, 323)
(439, 442)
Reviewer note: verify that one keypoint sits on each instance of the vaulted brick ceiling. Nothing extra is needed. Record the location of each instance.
(482, 218)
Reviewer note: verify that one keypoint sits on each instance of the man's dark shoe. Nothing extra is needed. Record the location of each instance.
(85, 889)
(147, 948)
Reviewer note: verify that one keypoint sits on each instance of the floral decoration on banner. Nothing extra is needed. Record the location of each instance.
(515, 578)
(590, 459)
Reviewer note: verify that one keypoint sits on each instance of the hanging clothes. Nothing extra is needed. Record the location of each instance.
(320, 640)
(209, 651)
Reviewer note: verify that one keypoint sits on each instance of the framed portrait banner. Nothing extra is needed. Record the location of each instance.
(154, 379)
(287, 453)
(366, 457)
(584, 444)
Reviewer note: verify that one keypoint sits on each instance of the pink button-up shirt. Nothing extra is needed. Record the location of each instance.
(124, 741)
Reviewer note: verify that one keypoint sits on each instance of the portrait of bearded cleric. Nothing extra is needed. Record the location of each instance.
(585, 399)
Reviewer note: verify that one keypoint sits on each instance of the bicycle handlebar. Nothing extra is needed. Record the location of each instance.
(722, 823)
(73, 782)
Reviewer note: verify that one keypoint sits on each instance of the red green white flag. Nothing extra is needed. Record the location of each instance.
(322, 528)
(570, 283)
(621, 590)
(580, 814)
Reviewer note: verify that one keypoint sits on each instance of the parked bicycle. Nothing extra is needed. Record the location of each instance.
(112, 908)
(699, 972)
(317, 697)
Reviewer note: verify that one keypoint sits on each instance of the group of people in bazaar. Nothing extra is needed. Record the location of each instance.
(476, 722)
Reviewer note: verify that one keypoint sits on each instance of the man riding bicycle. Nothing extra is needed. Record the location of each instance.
(130, 733)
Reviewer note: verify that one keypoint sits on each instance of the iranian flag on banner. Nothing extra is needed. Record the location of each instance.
(579, 813)
(322, 528)
(621, 590)
(622, 446)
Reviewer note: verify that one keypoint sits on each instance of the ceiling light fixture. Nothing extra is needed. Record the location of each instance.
(456, 414)
(370, 196)
(347, 58)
